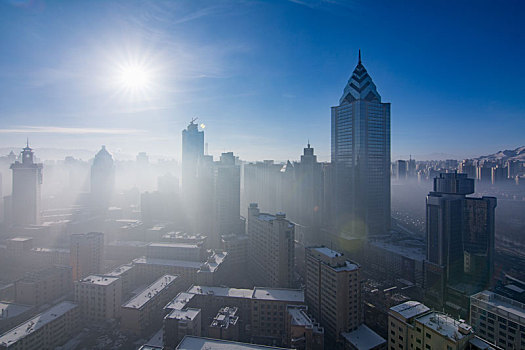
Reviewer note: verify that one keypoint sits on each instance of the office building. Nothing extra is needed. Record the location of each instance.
(460, 243)
(102, 179)
(86, 254)
(498, 319)
(192, 152)
(401, 169)
(48, 330)
(99, 297)
(43, 286)
(25, 197)
(143, 312)
(361, 155)
(412, 325)
(333, 291)
(271, 248)
(227, 196)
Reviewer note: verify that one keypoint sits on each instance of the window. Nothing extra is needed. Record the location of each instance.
(428, 335)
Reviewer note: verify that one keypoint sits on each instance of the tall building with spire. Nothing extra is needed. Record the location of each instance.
(192, 152)
(361, 156)
(27, 180)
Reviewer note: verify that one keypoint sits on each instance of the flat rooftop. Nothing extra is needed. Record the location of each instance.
(280, 294)
(221, 291)
(118, 271)
(180, 301)
(499, 302)
(410, 309)
(35, 323)
(174, 245)
(101, 280)
(186, 314)
(199, 343)
(299, 316)
(412, 252)
(141, 299)
(328, 252)
(20, 239)
(443, 324)
(363, 338)
(168, 262)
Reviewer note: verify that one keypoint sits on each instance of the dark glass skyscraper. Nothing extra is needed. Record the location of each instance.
(361, 157)
(192, 152)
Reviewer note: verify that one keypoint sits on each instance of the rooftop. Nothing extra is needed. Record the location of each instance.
(150, 292)
(35, 323)
(363, 338)
(299, 316)
(506, 305)
(100, 280)
(168, 262)
(410, 309)
(199, 343)
(118, 271)
(281, 294)
(221, 291)
(412, 252)
(180, 301)
(328, 252)
(186, 314)
(444, 325)
(175, 245)
(20, 239)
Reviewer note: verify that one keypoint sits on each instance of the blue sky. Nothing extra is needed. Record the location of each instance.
(261, 75)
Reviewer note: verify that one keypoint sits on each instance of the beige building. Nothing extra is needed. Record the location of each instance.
(333, 291)
(180, 323)
(52, 328)
(86, 254)
(498, 319)
(413, 326)
(144, 311)
(99, 297)
(44, 286)
(271, 248)
(303, 333)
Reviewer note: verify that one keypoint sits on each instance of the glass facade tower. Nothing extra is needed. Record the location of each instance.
(361, 157)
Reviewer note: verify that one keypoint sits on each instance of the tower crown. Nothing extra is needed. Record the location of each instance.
(360, 86)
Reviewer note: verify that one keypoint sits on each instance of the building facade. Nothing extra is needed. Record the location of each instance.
(86, 254)
(99, 297)
(361, 155)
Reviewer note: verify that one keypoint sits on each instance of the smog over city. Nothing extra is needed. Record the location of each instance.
(262, 174)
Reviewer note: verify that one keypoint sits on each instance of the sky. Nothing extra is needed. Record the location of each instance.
(260, 76)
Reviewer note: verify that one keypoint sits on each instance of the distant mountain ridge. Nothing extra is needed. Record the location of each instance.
(517, 154)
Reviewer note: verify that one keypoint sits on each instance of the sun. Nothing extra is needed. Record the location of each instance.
(134, 77)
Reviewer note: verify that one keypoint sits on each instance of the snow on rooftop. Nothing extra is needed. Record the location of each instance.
(180, 301)
(296, 295)
(199, 343)
(175, 245)
(186, 314)
(101, 280)
(501, 303)
(443, 324)
(116, 272)
(35, 323)
(222, 291)
(328, 252)
(410, 309)
(157, 340)
(363, 338)
(150, 292)
(20, 239)
(299, 317)
(168, 262)
(266, 217)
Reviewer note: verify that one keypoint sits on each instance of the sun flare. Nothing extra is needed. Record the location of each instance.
(134, 77)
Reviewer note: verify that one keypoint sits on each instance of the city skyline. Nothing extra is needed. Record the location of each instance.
(257, 96)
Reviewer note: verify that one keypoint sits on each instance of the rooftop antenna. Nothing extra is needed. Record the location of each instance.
(359, 57)
(27, 142)
(193, 120)
(308, 142)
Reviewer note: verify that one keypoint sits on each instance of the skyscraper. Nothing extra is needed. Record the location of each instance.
(361, 156)
(27, 180)
(460, 242)
(228, 195)
(102, 179)
(192, 152)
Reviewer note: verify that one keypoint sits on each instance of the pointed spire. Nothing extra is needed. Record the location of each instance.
(27, 142)
(359, 57)
(308, 142)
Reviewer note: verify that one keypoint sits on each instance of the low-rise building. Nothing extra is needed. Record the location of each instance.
(99, 297)
(199, 343)
(47, 330)
(225, 325)
(176, 251)
(144, 311)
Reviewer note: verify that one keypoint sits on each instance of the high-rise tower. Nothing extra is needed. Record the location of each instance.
(192, 152)
(27, 180)
(361, 156)
(102, 178)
